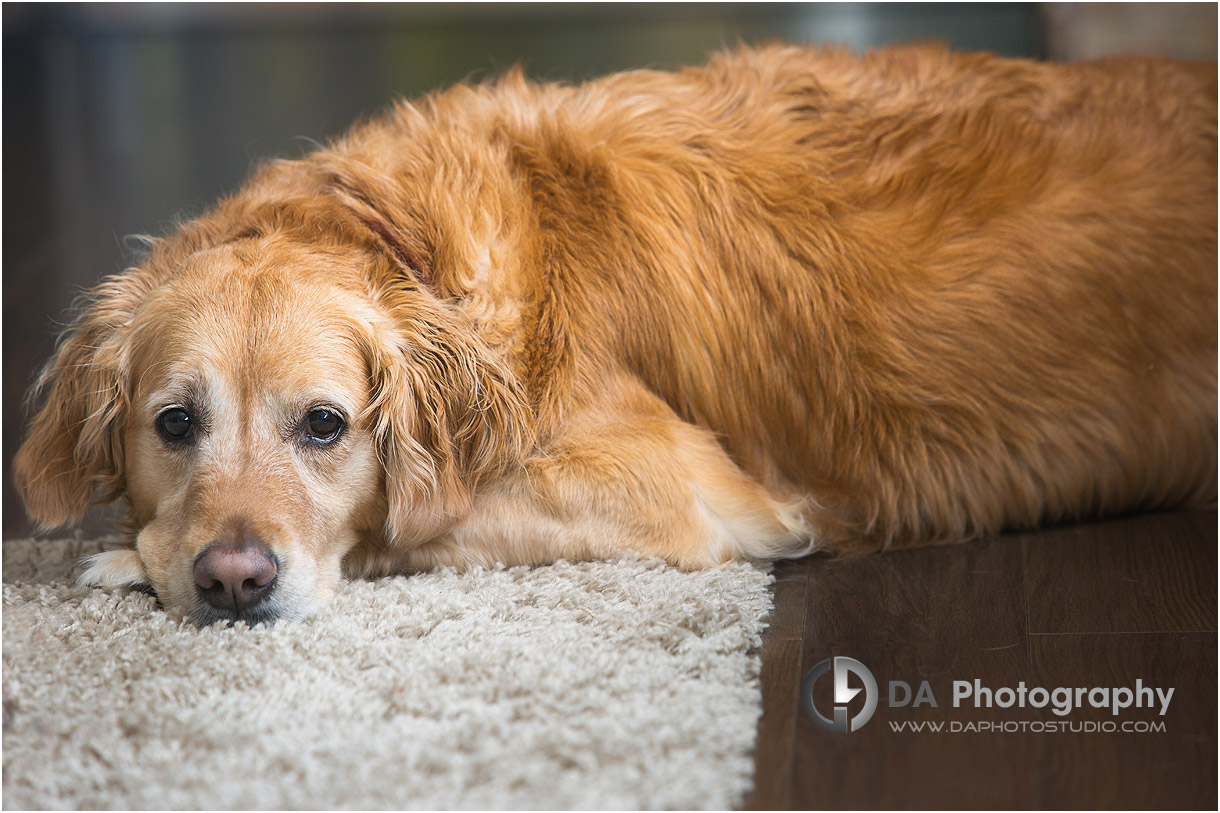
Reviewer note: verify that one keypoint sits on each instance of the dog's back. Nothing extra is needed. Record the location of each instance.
(941, 294)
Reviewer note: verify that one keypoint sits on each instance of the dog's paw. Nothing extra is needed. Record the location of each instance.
(113, 568)
(800, 540)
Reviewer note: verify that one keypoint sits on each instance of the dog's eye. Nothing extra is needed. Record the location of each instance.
(323, 425)
(175, 425)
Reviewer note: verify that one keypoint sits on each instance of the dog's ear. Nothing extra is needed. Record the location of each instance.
(447, 414)
(74, 443)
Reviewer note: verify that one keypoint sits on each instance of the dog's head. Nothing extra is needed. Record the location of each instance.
(277, 383)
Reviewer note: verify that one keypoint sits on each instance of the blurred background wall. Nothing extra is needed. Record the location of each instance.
(120, 119)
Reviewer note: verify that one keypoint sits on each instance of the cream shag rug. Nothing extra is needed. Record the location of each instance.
(611, 685)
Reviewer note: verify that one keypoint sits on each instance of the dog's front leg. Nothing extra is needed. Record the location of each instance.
(632, 478)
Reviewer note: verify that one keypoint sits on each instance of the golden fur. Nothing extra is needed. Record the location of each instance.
(792, 299)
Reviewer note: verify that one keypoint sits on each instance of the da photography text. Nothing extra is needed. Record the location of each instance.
(1060, 700)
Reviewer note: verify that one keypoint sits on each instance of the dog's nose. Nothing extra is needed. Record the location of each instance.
(235, 578)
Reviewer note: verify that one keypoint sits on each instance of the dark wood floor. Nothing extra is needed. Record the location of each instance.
(1093, 605)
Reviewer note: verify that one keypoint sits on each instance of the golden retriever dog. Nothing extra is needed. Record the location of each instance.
(794, 300)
